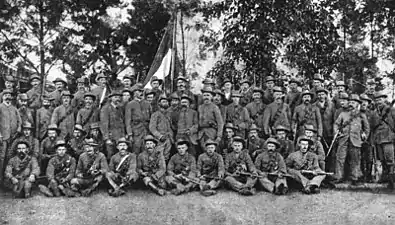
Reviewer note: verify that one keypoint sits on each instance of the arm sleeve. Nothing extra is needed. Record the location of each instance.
(162, 167)
(221, 166)
(104, 122)
(220, 121)
(192, 172)
(35, 168)
(132, 166)
(170, 166)
(72, 169)
(50, 172)
(152, 126)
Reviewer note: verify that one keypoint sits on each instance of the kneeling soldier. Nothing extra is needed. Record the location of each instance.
(91, 167)
(151, 166)
(60, 171)
(240, 173)
(210, 169)
(122, 169)
(303, 166)
(21, 171)
(271, 167)
(181, 170)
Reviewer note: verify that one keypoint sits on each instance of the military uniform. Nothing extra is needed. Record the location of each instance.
(306, 114)
(87, 116)
(161, 126)
(34, 146)
(57, 97)
(318, 149)
(210, 123)
(255, 146)
(327, 112)
(255, 111)
(76, 147)
(293, 99)
(187, 128)
(286, 147)
(60, 171)
(34, 95)
(112, 125)
(238, 115)
(78, 101)
(210, 167)
(268, 97)
(184, 165)
(125, 172)
(276, 114)
(47, 151)
(26, 115)
(66, 126)
(152, 169)
(43, 118)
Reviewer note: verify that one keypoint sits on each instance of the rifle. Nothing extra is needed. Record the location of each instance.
(333, 142)
(189, 179)
(318, 173)
(278, 174)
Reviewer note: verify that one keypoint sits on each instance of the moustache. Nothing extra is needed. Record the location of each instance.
(21, 155)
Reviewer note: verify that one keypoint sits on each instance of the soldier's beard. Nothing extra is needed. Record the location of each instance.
(46, 106)
(21, 155)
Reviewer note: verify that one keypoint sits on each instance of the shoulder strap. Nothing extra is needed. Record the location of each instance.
(277, 114)
(84, 122)
(68, 113)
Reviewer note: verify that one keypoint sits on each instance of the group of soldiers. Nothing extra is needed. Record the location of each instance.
(69, 144)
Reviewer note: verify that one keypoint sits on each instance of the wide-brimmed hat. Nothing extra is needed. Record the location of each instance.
(9, 78)
(239, 139)
(67, 93)
(127, 90)
(304, 138)
(175, 95)
(294, 80)
(23, 142)
(182, 78)
(343, 95)
(340, 83)
(282, 128)
(7, 91)
(355, 97)
(307, 92)
(269, 78)
(53, 127)
(94, 125)
(185, 96)
(59, 80)
(155, 78)
(79, 127)
(150, 92)
(163, 96)
(310, 127)
(182, 141)
(81, 80)
(60, 143)
(209, 81)
(278, 89)
(208, 90)
(257, 89)
(90, 94)
(273, 141)
(210, 142)
(122, 140)
(127, 76)
(219, 92)
(226, 80)
(90, 142)
(23, 96)
(254, 127)
(27, 125)
(236, 94)
(115, 93)
(245, 81)
(35, 76)
(318, 77)
(150, 138)
(365, 97)
(230, 125)
(380, 94)
(321, 89)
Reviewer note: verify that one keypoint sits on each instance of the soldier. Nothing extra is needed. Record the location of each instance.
(78, 100)
(187, 125)
(268, 95)
(286, 146)
(181, 170)
(306, 113)
(156, 84)
(96, 135)
(207, 82)
(47, 148)
(225, 146)
(303, 166)
(151, 166)
(210, 169)
(210, 119)
(35, 93)
(10, 127)
(240, 170)
(137, 115)
(271, 167)
(327, 111)
(27, 136)
(122, 169)
(174, 109)
(101, 80)
(76, 142)
(238, 115)
(89, 113)
(257, 107)
(370, 88)
(384, 135)
(63, 115)
(276, 113)
(21, 171)
(127, 81)
(60, 171)
(218, 100)
(182, 89)
(343, 101)
(9, 83)
(293, 98)
(149, 96)
(126, 97)
(246, 92)
(91, 167)
(43, 117)
(255, 144)
(161, 127)
(25, 112)
(341, 87)
(61, 86)
(112, 123)
(354, 129)
(227, 88)
(366, 149)
(316, 147)
(318, 81)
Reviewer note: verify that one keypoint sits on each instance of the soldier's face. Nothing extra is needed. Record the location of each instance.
(236, 100)
(175, 102)
(27, 132)
(116, 99)
(353, 104)
(281, 134)
(90, 150)
(253, 134)
(35, 82)
(218, 99)
(270, 85)
(256, 95)
(271, 147)
(364, 104)
(210, 149)
(317, 83)
(81, 86)
(125, 96)
(181, 85)
(127, 83)
(164, 104)
(185, 103)
(52, 134)
(88, 101)
(380, 101)
(309, 133)
(304, 146)
(122, 148)
(322, 96)
(245, 86)
(66, 99)
(138, 94)
(228, 86)
(8, 84)
(341, 89)
(22, 150)
(77, 133)
(102, 81)
(306, 98)
(182, 149)
(150, 146)
(237, 146)
(277, 95)
(7, 98)
(46, 102)
(150, 98)
(229, 132)
(23, 103)
(61, 151)
(293, 86)
(155, 84)
(59, 86)
(344, 103)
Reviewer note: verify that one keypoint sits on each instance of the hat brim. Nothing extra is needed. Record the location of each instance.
(31, 128)
(151, 139)
(355, 100)
(112, 95)
(275, 143)
(210, 143)
(205, 91)
(237, 96)
(282, 129)
(305, 139)
(183, 142)
(311, 95)
(58, 145)
(381, 96)
(189, 99)
(159, 80)
(239, 140)
(319, 91)
(92, 96)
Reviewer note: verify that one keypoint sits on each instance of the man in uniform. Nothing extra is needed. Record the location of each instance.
(366, 149)
(218, 99)
(122, 169)
(271, 167)
(246, 92)
(182, 89)
(316, 147)
(240, 170)
(181, 170)
(207, 82)
(210, 169)
(24, 111)
(126, 97)
(327, 111)
(9, 84)
(112, 122)
(35, 93)
(10, 127)
(238, 115)
(303, 166)
(268, 95)
(161, 127)
(227, 89)
(101, 80)
(293, 96)
(43, 117)
(354, 129)
(318, 81)
(127, 81)
(343, 101)
(306, 113)
(63, 115)
(78, 100)
(91, 168)
(60, 171)
(174, 109)
(96, 135)
(21, 171)
(89, 113)
(27, 136)
(210, 120)
(151, 166)
(286, 146)
(225, 145)
(255, 144)
(57, 94)
(47, 148)
(276, 113)
(76, 143)
(156, 84)
(256, 107)
(340, 88)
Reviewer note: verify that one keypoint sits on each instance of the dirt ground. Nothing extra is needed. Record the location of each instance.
(144, 207)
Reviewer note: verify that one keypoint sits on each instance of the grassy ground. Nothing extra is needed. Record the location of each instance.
(144, 207)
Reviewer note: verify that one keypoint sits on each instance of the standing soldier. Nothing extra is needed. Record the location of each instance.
(255, 144)
(286, 146)
(63, 115)
(101, 80)
(238, 115)
(174, 109)
(96, 135)
(268, 95)
(182, 89)
(91, 168)
(61, 86)
(35, 93)
(21, 171)
(181, 169)
(151, 166)
(318, 81)
(276, 113)
(343, 101)
(240, 170)
(384, 135)
(316, 147)
(126, 97)
(127, 81)
(156, 84)
(341, 87)
(89, 113)
(227, 88)
(210, 119)
(225, 145)
(161, 127)
(9, 83)
(24, 111)
(366, 149)
(43, 117)
(27, 136)
(10, 127)
(271, 167)
(218, 99)
(112, 122)
(306, 113)
(79, 97)
(208, 82)
(293, 96)
(210, 169)
(327, 111)
(246, 92)
(60, 171)
(47, 148)
(303, 166)
(370, 88)
(122, 169)
(76, 143)
(137, 115)
(257, 107)
(354, 129)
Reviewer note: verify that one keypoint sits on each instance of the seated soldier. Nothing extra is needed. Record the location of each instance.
(286, 146)
(271, 167)
(316, 146)
(240, 171)
(27, 130)
(95, 133)
(181, 169)
(210, 169)
(225, 145)
(255, 144)
(60, 171)
(122, 167)
(21, 171)
(303, 166)
(151, 166)
(91, 167)
(47, 150)
(77, 141)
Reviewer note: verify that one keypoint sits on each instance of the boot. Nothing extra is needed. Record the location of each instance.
(391, 181)
(67, 191)
(208, 192)
(157, 190)
(369, 167)
(45, 190)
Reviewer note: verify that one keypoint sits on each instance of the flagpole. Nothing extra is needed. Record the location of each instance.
(184, 71)
(174, 52)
